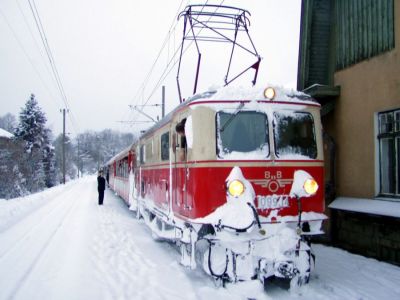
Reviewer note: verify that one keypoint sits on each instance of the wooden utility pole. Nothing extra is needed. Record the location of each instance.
(136, 107)
(79, 159)
(163, 102)
(63, 146)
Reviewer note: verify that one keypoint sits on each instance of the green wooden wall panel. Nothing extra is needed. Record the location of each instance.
(364, 28)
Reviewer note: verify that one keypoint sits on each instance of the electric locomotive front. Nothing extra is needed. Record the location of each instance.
(253, 183)
(268, 139)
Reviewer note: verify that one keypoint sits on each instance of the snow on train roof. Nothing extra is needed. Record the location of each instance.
(237, 93)
(120, 155)
(252, 94)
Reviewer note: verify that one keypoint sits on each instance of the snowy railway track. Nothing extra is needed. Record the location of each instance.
(42, 225)
(43, 213)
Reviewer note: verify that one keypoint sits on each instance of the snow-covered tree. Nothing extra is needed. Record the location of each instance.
(13, 165)
(31, 129)
(8, 122)
(70, 168)
(49, 161)
(96, 148)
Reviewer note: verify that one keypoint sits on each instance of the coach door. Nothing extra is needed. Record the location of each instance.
(180, 169)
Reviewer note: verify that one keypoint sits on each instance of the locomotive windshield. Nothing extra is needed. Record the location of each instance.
(242, 132)
(294, 134)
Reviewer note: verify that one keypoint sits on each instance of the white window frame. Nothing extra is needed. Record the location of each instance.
(396, 195)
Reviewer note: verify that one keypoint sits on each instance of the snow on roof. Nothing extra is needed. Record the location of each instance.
(236, 93)
(369, 206)
(5, 133)
(257, 93)
(120, 155)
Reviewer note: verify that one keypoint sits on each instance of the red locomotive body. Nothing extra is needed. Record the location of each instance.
(245, 178)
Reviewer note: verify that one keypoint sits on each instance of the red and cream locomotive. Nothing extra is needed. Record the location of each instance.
(234, 177)
(240, 190)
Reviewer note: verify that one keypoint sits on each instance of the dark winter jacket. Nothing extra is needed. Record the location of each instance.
(101, 183)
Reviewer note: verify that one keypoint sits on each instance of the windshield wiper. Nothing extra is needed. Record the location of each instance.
(232, 117)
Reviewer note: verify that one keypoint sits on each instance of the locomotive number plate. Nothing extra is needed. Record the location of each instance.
(272, 201)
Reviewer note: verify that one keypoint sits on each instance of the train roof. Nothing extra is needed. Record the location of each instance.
(240, 93)
(233, 93)
(120, 155)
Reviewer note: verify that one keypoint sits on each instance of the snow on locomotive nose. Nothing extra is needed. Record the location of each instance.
(238, 213)
(236, 251)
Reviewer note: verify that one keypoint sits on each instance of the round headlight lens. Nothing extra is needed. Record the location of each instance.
(236, 188)
(269, 93)
(310, 186)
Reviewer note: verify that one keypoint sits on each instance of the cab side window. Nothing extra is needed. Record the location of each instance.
(181, 139)
(165, 146)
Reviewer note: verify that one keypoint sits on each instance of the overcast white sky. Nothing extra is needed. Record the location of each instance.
(105, 49)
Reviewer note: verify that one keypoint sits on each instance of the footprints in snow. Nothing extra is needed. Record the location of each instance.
(122, 265)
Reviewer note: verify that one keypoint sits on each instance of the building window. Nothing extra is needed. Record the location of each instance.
(389, 153)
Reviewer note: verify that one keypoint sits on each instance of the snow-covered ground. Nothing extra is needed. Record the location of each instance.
(59, 244)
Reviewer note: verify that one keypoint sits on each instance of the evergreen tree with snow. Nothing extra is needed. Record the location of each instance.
(8, 122)
(31, 129)
(70, 167)
(49, 161)
(13, 163)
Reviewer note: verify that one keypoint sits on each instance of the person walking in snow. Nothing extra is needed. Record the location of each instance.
(101, 186)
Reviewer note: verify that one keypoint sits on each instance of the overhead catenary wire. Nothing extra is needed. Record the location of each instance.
(168, 67)
(62, 97)
(166, 40)
(37, 46)
(20, 44)
(51, 59)
(166, 71)
(43, 37)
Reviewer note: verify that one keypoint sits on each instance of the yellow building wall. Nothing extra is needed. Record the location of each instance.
(367, 88)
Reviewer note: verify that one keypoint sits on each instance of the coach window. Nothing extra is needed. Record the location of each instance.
(245, 131)
(294, 134)
(165, 146)
(389, 153)
(142, 158)
(125, 167)
(149, 151)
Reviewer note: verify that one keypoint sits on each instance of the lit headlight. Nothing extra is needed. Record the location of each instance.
(269, 93)
(304, 185)
(310, 186)
(235, 188)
